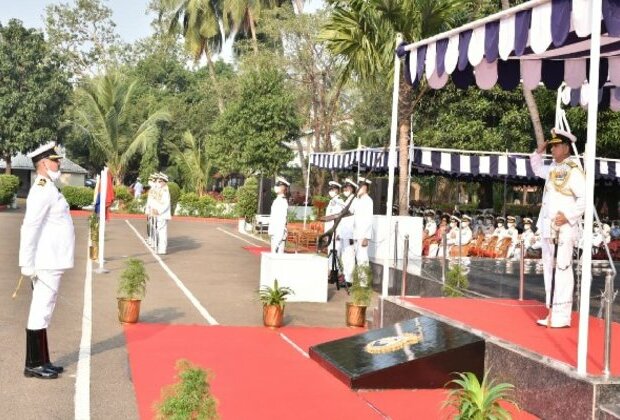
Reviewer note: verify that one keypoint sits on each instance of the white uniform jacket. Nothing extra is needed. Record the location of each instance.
(500, 232)
(466, 235)
(149, 198)
(161, 203)
(564, 191)
(47, 236)
(430, 227)
(453, 236)
(362, 210)
(335, 206)
(345, 227)
(529, 238)
(277, 219)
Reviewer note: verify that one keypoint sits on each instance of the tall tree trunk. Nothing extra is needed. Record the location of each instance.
(404, 125)
(213, 76)
(298, 6)
(530, 101)
(7, 161)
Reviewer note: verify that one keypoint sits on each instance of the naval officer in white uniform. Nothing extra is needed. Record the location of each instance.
(277, 219)
(562, 209)
(345, 233)
(46, 249)
(160, 209)
(362, 210)
(334, 206)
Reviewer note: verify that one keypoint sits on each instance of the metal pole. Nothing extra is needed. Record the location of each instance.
(460, 243)
(410, 162)
(521, 269)
(395, 243)
(444, 245)
(391, 164)
(609, 300)
(405, 265)
(307, 191)
(103, 194)
(590, 156)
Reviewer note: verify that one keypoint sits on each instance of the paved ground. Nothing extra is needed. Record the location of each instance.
(207, 258)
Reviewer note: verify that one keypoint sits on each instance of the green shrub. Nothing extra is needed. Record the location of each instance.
(132, 284)
(456, 282)
(189, 203)
(123, 195)
(78, 197)
(207, 206)
(175, 193)
(9, 184)
(229, 194)
(190, 397)
(135, 206)
(479, 401)
(361, 287)
(247, 199)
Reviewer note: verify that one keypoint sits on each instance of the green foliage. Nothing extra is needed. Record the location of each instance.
(122, 194)
(190, 397)
(132, 284)
(275, 295)
(251, 133)
(175, 193)
(229, 194)
(192, 162)
(9, 185)
(247, 199)
(78, 197)
(456, 281)
(361, 288)
(33, 90)
(479, 401)
(103, 114)
(135, 206)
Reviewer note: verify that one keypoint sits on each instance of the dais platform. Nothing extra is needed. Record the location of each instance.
(419, 353)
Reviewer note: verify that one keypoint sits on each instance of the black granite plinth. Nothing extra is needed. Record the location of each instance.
(429, 363)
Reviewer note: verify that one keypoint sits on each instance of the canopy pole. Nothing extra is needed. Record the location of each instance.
(391, 169)
(359, 157)
(103, 196)
(589, 157)
(410, 162)
(307, 190)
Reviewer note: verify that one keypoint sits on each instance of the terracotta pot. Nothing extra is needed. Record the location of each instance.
(356, 315)
(273, 316)
(128, 310)
(94, 252)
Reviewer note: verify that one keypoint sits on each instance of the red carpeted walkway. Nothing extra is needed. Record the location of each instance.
(515, 321)
(257, 250)
(259, 374)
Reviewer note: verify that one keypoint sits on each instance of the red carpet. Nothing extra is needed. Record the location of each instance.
(515, 322)
(257, 250)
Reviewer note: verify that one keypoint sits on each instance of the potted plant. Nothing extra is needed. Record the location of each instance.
(274, 301)
(479, 401)
(93, 223)
(456, 281)
(361, 295)
(131, 290)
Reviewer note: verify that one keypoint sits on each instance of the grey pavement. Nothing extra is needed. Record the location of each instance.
(211, 264)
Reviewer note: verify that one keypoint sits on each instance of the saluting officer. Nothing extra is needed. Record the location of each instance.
(334, 206)
(150, 222)
(362, 210)
(160, 209)
(562, 208)
(277, 219)
(45, 251)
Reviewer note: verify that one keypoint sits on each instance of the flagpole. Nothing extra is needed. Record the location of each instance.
(103, 191)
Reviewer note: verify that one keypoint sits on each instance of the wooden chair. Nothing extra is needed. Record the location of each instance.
(488, 250)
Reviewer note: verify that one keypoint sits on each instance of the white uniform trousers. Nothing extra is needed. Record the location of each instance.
(348, 259)
(361, 253)
(162, 235)
(564, 282)
(44, 297)
(278, 243)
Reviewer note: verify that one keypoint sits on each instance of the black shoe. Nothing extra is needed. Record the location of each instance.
(40, 372)
(57, 369)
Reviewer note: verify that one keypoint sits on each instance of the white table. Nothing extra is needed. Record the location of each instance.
(306, 274)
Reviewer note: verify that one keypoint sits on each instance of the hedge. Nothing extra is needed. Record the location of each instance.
(9, 184)
(247, 199)
(229, 194)
(78, 197)
(175, 193)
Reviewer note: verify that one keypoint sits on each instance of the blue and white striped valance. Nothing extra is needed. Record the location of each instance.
(540, 41)
(514, 167)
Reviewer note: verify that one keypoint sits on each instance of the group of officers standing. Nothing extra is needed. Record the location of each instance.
(158, 212)
(350, 203)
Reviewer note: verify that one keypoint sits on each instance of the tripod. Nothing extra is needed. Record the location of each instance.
(335, 268)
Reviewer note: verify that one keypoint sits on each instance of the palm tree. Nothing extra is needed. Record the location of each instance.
(363, 32)
(193, 163)
(103, 113)
(199, 23)
(245, 13)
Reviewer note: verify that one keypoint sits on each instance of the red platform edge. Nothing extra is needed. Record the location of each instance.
(85, 213)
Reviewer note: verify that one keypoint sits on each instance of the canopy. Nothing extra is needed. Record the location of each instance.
(454, 163)
(540, 41)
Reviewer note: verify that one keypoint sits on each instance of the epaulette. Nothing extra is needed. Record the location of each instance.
(42, 182)
(572, 164)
